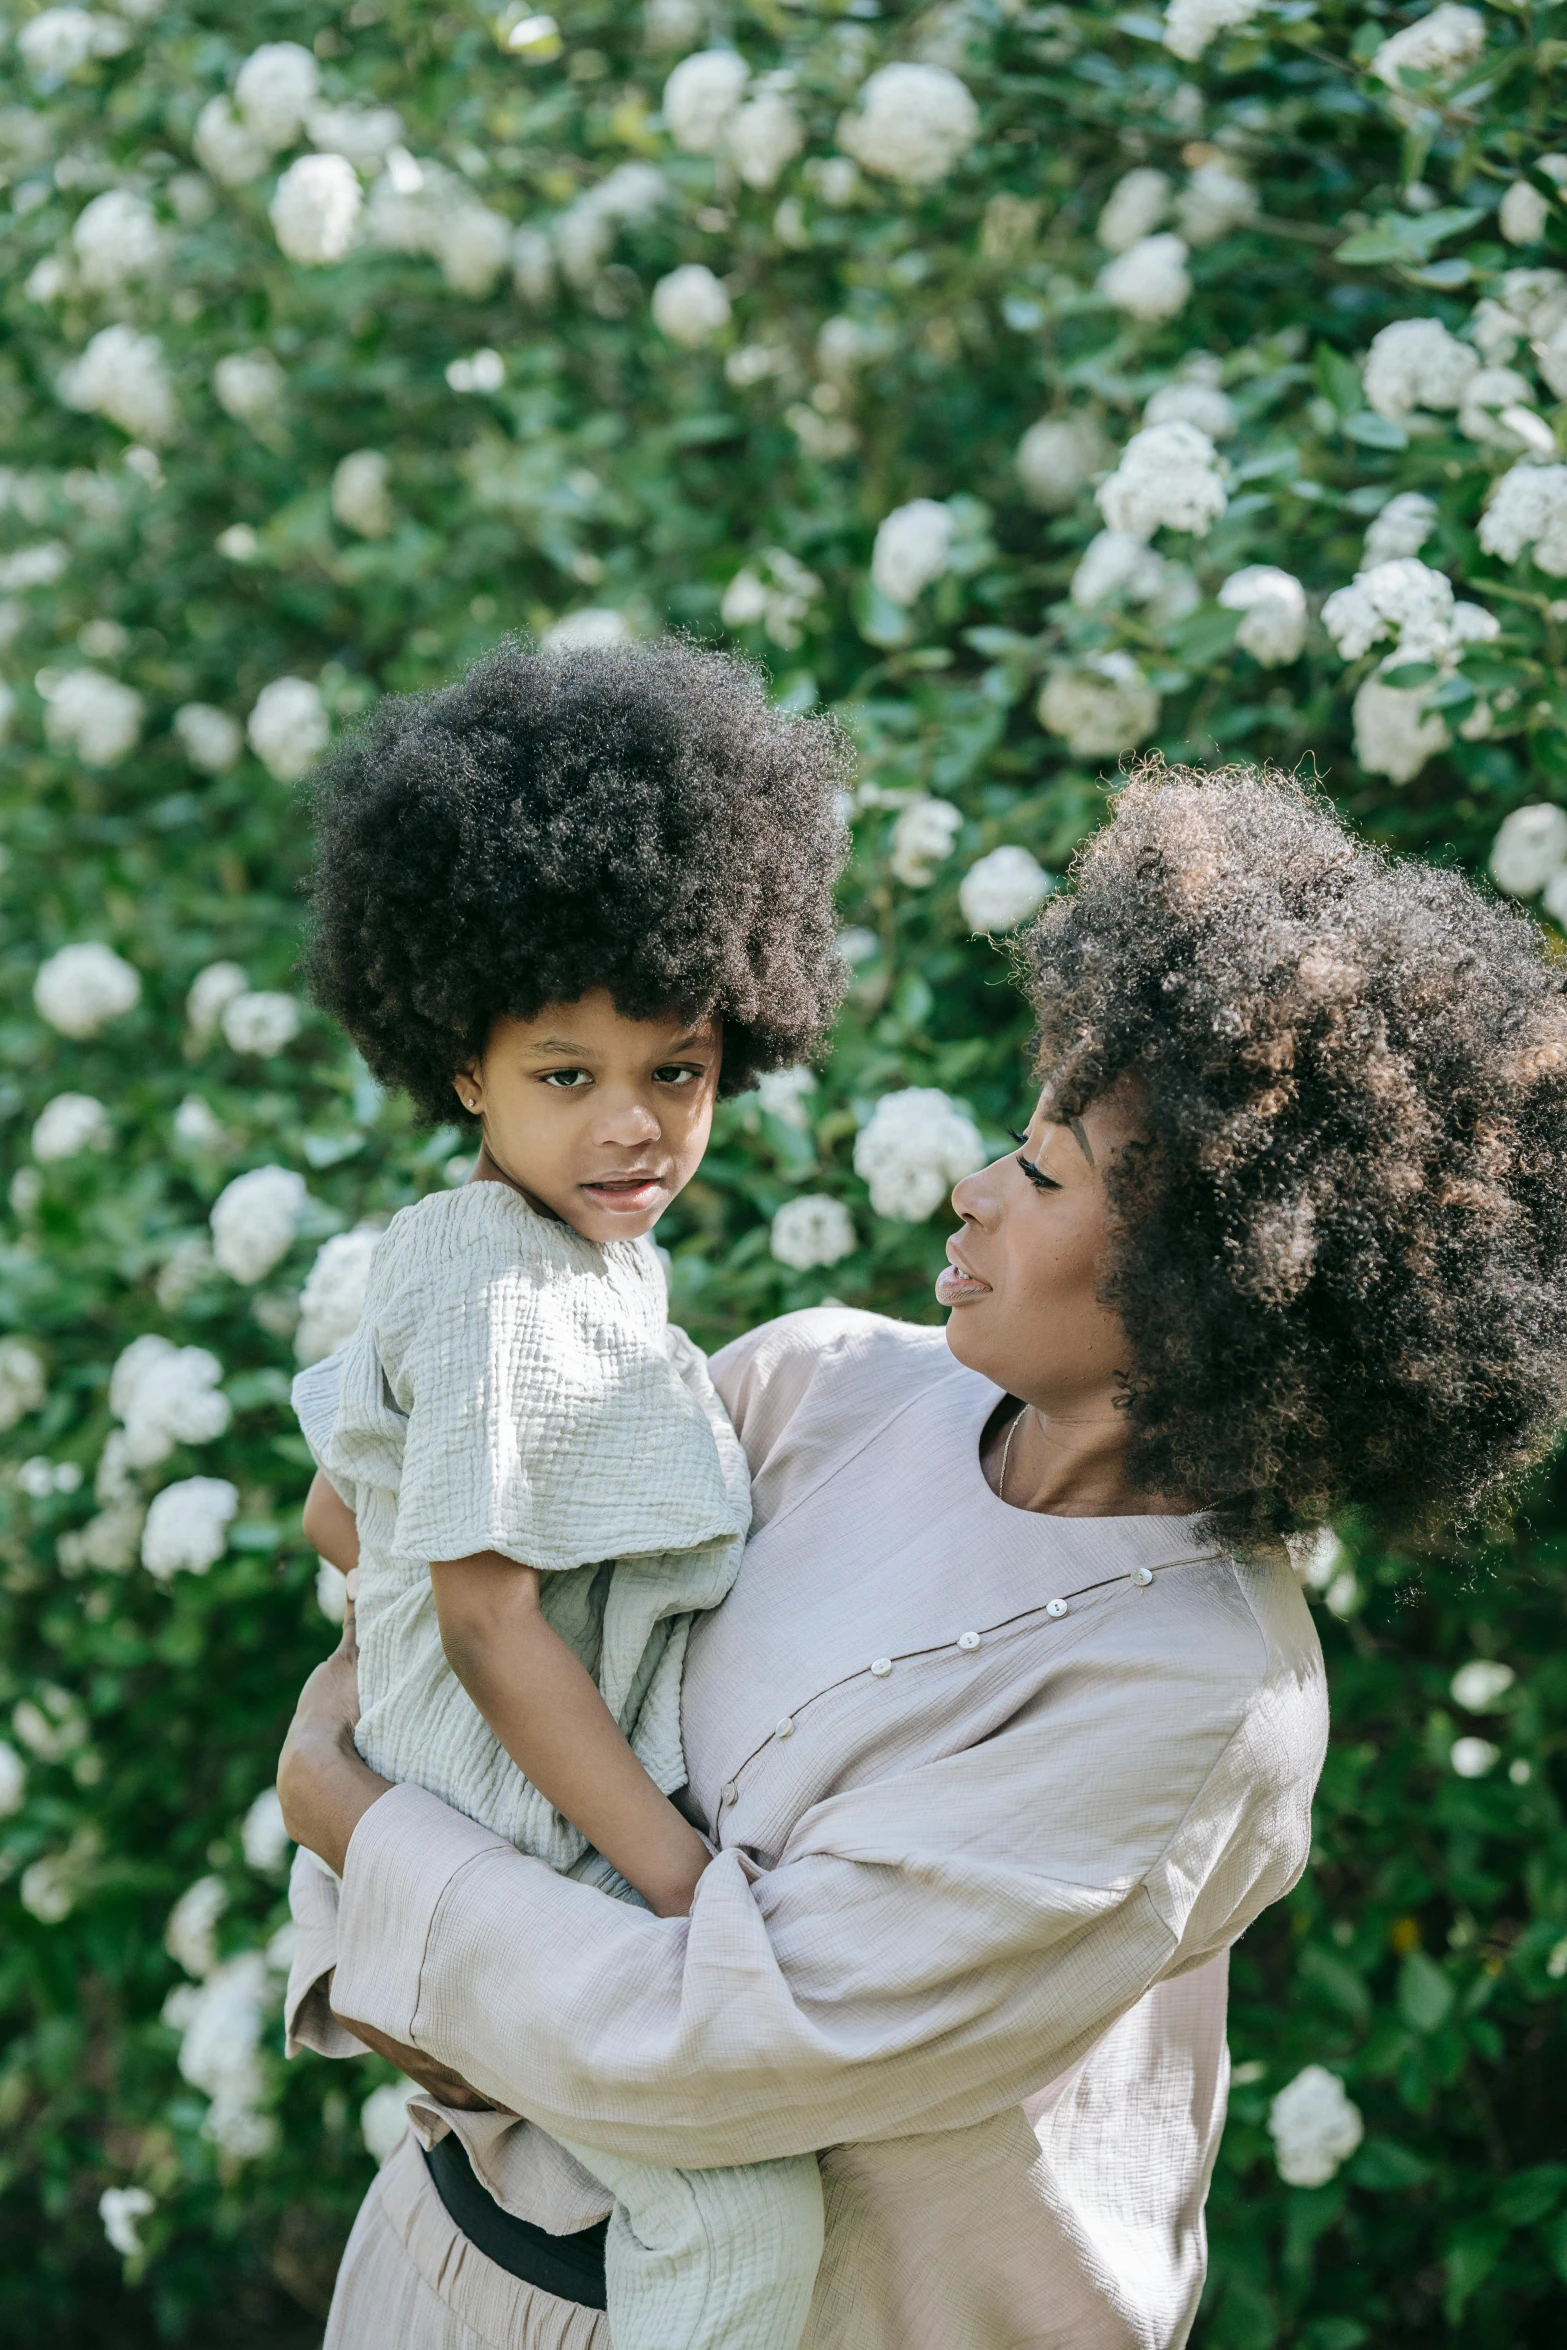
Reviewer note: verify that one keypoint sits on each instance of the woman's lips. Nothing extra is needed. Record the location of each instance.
(627, 1195)
(957, 1286)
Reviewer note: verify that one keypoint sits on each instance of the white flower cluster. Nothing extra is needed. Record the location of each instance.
(121, 375)
(333, 1297)
(187, 1527)
(1214, 201)
(361, 493)
(13, 1781)
(164, 1395)
(418, 206)
(690, 305)
(221, 2023)
(706, 112)
(81, 988)
(122, 2209)
(1473, 1758)
(1273, 602)
(1002, 890)
(1436, 47)
(912, 550)
(263, 1838)
(914, 123)
(288, 728)
(315, 209)
(249, 386)
(1477, 1685)
(812, 1230)
(93, 717)
(69, 1124)
(1101, 707)
(911, 1150)
(59, 41)
(922, 838)
(776, 589)
(117, 238)
(1115, 563)
(1058, 457)
(1189, 25)
(23, 1384)
(190, 1934)
(1416, 364)
(1528, 510)
(210, 738)
(1168, 478)
(1137, 203)
(260, 1021)
(1148, 281)
(383, 2118)
(1529, 855)
(1314, 2127)
(1402, 528)
(586, 230)
(1407, 601)
(254, 1220)
(785, 1094)
(211, 992)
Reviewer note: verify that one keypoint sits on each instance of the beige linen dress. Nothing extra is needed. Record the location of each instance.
(992, 1795)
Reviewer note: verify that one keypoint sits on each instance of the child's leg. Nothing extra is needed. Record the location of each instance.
(710, 2259)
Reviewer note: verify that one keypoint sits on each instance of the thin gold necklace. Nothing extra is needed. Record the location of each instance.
(1006, 1453)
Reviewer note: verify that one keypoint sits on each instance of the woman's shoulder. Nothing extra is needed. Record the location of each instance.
(858, 1366)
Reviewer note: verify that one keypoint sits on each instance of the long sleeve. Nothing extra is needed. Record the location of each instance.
(930, 1948)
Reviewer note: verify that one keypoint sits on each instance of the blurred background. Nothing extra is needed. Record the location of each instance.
(1030, 385)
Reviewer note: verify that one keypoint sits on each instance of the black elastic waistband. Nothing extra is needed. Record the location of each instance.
(570, 2267)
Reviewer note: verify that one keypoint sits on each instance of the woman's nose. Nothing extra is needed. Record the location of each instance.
(976, 1197)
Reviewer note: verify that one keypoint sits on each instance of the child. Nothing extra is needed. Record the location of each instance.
(586, 893)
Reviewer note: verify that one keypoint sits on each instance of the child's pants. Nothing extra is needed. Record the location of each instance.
(710, 2259)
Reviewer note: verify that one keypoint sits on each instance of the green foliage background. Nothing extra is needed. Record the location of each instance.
(1424, 1958)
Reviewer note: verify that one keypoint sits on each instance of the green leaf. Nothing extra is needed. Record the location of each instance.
(1475, 2251)
(1372, 431)
(1425, 1996)
(1385, 2166)
(1406, 236)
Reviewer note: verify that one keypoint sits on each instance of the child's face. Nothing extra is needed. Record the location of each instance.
(600, 1118)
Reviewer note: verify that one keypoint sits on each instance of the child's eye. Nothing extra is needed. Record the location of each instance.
(567, 1080)
(676, 1073)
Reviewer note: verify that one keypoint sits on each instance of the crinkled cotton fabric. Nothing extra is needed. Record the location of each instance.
(992, 1794)
(514, 1387)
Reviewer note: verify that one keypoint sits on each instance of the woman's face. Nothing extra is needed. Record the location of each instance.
(1023, 1275)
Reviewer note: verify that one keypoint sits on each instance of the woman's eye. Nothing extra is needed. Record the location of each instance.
(567, 1080)
(1036, 1175)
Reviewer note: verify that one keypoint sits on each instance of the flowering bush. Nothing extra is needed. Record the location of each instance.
(1033, 384)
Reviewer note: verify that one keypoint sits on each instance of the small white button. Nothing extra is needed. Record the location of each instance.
(881, 1666)
(968, 1640)
(785, 1728)
(1055, 1607)
(1142, 1577)
(728, 1791)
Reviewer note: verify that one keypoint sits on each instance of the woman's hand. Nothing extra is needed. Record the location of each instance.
(323, 1786)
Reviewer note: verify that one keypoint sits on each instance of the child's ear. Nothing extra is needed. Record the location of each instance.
(469, 1091)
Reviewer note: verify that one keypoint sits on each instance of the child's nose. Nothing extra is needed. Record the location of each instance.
(629, 1123)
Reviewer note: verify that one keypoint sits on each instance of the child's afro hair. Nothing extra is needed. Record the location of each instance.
(632, 817)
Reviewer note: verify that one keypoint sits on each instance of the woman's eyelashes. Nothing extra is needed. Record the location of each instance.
(1036, 1175)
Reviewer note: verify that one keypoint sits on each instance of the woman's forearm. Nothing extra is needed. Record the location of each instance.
(546, 1710)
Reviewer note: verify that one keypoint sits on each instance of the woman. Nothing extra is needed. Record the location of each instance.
(1011, 1723)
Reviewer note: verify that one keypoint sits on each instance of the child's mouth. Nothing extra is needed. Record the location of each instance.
(626, 1195)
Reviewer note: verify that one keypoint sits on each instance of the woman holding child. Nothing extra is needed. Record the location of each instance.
(1009, 1722)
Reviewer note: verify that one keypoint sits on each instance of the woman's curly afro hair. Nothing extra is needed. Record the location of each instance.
(1341, 1252)
(631, 817)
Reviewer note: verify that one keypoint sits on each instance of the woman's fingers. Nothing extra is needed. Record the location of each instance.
(349, 1644)
(437, 2080)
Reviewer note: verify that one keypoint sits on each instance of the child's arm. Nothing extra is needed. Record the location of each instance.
(544, 1707)
(330, 1526)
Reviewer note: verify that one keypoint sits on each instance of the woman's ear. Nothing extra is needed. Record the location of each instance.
(469, 1091)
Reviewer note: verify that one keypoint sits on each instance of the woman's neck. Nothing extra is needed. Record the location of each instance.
(1068, 1465)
